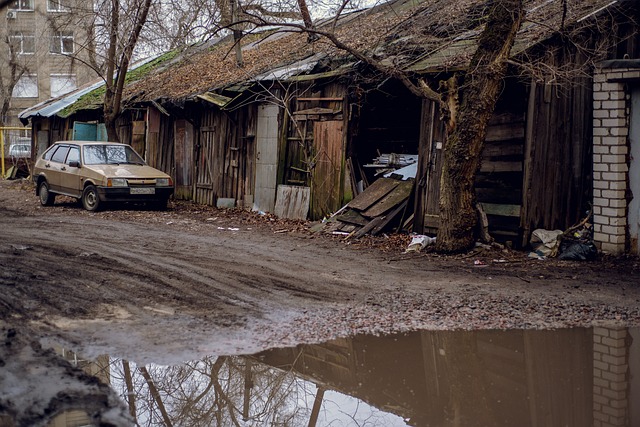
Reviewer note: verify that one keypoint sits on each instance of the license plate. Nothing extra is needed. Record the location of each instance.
(144, 190)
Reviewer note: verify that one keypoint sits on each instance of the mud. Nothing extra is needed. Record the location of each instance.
(165, 287)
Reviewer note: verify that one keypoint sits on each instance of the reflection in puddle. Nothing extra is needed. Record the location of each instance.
(567, 377)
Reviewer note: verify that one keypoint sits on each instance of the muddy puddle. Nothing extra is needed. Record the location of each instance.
(567, 377)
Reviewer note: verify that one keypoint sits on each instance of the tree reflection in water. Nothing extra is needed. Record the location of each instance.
(230, 391)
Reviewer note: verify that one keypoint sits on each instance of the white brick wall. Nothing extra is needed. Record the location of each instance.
(610, 151)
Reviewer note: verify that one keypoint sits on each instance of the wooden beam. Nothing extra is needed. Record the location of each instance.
(321, 99)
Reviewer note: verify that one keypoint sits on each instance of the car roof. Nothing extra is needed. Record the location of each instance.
(89, 142)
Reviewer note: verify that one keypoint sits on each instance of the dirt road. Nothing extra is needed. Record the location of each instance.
(172, 286)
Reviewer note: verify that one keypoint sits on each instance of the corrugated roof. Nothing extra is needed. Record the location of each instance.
(52, 106)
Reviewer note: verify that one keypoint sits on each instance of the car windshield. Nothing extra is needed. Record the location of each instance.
(110, 155)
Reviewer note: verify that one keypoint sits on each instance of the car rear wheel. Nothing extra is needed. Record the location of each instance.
(46, 197)
(90, 199)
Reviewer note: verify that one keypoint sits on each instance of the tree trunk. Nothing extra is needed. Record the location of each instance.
(463, 148)
(117, 67)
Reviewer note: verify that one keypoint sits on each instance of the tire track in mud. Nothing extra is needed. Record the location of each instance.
(124, 266)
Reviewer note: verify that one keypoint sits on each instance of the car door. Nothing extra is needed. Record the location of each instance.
(54, 167)
(70, 176)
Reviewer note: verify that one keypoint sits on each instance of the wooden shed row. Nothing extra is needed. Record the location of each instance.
(294, 129)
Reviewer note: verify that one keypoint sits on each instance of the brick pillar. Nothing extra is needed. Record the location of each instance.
(610, 377)
(610, 163)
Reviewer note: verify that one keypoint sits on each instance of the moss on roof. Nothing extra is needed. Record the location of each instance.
(94, 100)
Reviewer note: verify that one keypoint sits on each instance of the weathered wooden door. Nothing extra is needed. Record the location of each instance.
(328, 159)
(427, 211)
(634, 172)
(266, 158)
(204, 192)
(183, 159)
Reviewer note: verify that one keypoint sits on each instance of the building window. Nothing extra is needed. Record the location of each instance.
(23, 43)
(62, 42)
(62, 83)
(26, 87)
(57, 6)
(25, 5)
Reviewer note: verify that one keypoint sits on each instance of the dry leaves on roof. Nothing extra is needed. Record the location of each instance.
(217, 67)
(400, 31)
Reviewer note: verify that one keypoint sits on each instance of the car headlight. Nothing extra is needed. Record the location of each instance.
(117, 182)
(163, 182)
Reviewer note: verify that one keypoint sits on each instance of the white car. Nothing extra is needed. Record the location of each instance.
(20, 150)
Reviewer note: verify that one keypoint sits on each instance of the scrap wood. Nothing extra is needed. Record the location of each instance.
(400, 193)
(388, 218)
(353, 217)
(373, 193)
(370, 226)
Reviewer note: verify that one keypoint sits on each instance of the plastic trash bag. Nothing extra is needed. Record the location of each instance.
(419, 242)
(578, 250)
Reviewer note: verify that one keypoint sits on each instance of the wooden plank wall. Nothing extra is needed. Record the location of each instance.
(225, 164)
(432, 134)
(558, 188)
(159, 151)
(184, 165)
(499, 180)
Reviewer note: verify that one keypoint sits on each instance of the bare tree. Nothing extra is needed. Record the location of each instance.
(467, 120)
(9, 76)
(463, 148)
(122, 42)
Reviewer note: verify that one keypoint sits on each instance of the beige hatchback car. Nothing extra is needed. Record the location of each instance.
(99, 172)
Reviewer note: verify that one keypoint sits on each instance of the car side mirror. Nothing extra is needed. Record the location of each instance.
(74, 164)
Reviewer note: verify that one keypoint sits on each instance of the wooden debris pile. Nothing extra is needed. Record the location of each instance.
(383, 205)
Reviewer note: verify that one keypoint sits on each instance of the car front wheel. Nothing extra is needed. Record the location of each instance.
(90, 199)
(46, 197)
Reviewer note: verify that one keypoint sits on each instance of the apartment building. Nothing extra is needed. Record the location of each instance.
(47, 41)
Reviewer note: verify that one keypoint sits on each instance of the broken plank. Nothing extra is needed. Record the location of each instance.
(317, 111)
(370, 226)
(352, 217)
(322, 99)
(501, 210)
(376, 191)
(399, 194)
(388, 218)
